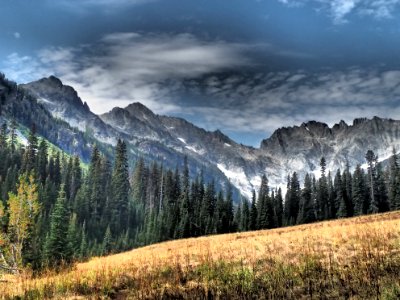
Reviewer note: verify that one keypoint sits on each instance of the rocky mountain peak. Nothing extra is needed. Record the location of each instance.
(220, 136)
(52, 89)
(52, 80)
(137, 107)
(359, 121)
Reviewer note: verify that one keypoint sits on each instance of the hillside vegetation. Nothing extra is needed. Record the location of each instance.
(355, 258)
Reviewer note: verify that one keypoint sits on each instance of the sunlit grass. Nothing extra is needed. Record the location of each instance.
(352, 258)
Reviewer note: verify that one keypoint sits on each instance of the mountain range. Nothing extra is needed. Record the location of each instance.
(67, 121)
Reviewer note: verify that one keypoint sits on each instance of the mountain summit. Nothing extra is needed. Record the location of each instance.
(169, 139)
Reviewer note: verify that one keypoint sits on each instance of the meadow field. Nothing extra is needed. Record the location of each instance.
(356, 258)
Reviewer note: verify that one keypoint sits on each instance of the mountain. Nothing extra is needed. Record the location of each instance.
(63, 102)
(143, 131)
(289, 149)
(19, 105)
(169, 139)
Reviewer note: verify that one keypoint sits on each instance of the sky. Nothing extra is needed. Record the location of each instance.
(246, 67)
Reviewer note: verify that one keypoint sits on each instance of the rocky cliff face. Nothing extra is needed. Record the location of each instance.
(168, 139)
(144, 132)
(63, 102)
(301, 147)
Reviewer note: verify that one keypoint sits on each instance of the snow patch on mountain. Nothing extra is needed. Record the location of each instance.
(191, 148)
(44, 100)
(107, 140)
(238, 178)
(182, 140)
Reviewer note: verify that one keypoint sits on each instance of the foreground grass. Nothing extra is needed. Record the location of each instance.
(356, 258)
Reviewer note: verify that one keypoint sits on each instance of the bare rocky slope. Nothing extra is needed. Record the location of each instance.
(168, 139)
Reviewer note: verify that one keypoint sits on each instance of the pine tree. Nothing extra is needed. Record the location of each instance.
(57, 245)
(394, 183)
(371, 161)
(279, 207)
(138, 182)
(73, 238)
(207, 209)
(264, 206)
(42, 160)
(120, 189)
(184, 227)
(359, 192)
(219, 214)
(332, 204)
(76, 177)
(382, 197)
(306, 211)
(292, 202)
(31, 150)
(238, 218)
(322, 193)
(340, 197)
(83, 248)
(253, 213)
(348, 191)
(3, 136)
(56, 175)
(107, 242)
(228, 207)
(245, 217)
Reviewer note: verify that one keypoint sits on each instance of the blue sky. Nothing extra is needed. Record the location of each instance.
(246, 67)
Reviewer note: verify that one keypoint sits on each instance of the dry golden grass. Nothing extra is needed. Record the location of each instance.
(355, 249)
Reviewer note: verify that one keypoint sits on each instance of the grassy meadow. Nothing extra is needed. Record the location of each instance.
(357, 258)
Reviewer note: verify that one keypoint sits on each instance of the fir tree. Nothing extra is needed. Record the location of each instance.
(120, 189)
(107, 242)
(322, 193)
(42, 160)
(3, 136)
(244, 224)
(371, 161)
(57, 245)
(31, 150)
(394, 183)
(359, 192)
(306, 211)
(279, 207)
(73, 238)
(292, 202)
(340, 197)
(253, 213)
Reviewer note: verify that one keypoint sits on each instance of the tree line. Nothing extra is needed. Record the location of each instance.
(55, 210)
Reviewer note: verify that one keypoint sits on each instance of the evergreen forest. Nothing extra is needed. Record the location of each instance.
(54, 210)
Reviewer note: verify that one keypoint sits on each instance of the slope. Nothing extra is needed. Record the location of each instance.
(168, 139)
(357, 258)
(137, 125)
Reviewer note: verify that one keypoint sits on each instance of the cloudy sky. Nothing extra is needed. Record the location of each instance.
(246, 67)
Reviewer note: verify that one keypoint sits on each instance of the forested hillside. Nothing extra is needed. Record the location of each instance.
(54, 212)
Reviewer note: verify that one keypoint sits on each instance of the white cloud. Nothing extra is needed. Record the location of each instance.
(158, 69)
(127, 67)
(340, 9)
(17, 35)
